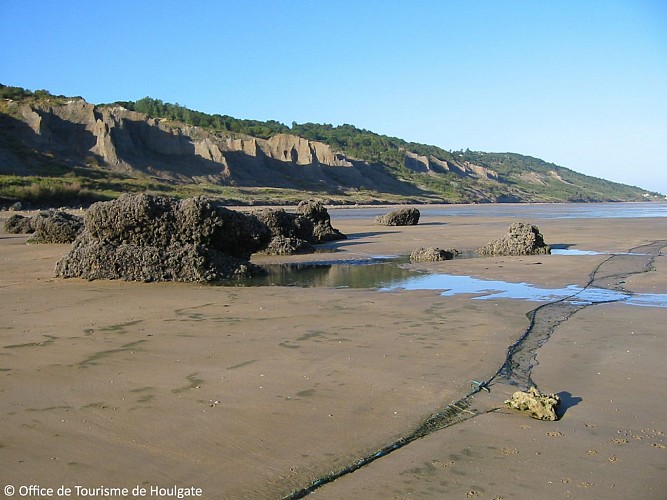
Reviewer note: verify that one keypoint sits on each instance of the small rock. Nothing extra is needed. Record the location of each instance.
(521, 239)
(433, 254)
(317, 214)
(19, 224)
(293, 233)
(539, 406)
(55, 227)
(400, 217)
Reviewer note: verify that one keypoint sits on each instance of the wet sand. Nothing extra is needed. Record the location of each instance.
(255, 392)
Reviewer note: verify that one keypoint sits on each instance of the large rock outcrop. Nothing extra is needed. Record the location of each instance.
(152, 238)
(521, 239)
(399, 217)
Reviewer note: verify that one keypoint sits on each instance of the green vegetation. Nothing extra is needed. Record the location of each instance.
(155, 108)
(21, 94)
(552, 182)
(49, 191)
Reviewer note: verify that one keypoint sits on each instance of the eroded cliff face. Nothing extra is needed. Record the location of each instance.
(81, 134)
(421, 163)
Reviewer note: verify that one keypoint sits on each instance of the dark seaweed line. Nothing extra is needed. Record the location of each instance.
(516, 370)
(522, 355)
(450, 415)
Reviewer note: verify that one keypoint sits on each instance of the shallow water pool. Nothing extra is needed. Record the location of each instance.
(389, 273)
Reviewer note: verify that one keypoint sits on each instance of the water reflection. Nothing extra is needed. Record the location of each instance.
(574, 251)
(376, 272)
(495, 289)
(389, 274)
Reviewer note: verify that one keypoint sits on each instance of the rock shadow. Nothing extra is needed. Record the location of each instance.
(567, 401)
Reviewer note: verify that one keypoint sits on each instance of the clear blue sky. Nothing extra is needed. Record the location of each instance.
(582, 84)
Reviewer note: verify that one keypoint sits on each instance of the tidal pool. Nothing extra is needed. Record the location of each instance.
(389, 273)
(494, 289)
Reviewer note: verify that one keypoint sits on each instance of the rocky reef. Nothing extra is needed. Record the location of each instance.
(151, 238)
(50, 226)
(293, 233)
(19, 224)
(399, 217)
(521, 239)
(433, 254)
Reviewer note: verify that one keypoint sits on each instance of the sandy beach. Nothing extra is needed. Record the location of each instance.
(255, 392)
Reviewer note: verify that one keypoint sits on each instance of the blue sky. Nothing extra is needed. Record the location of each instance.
(582, 84)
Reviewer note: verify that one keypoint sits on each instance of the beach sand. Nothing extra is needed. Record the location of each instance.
(253, 392)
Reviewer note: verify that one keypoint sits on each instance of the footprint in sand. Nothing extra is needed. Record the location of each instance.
(444, 465)
(613, 459)
(658, 445)
(555, 434)
(509, 451)
(618, 441)
(592, 452)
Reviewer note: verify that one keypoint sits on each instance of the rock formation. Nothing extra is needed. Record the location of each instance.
(55, 227)
(290, 233)
(318, 215)
(152, 238)
(297, 232)
(537, 405)
(421, 163)
(46, 227)
(399, 217)
(433, 254)
(521, 239)
(19, 224)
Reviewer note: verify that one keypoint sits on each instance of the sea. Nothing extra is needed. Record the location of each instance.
(525, 211)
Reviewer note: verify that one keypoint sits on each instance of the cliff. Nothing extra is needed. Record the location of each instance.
(57, 136)
(82, 134)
